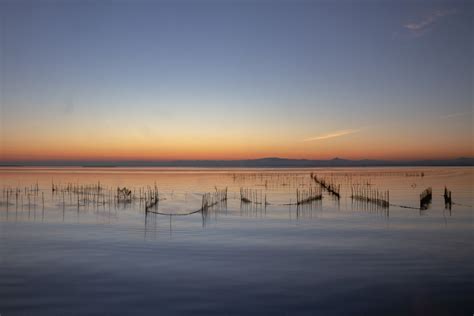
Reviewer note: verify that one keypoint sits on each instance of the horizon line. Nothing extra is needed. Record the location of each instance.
(255, 162)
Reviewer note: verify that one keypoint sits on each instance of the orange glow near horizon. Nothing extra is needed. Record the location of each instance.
(233, 149)
(146, 138)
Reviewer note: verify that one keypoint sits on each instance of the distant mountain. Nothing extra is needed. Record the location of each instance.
(271, 162)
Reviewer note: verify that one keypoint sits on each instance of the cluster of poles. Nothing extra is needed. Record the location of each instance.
(76, 188)
(212, 198)
(332, 188)
(83, 195)
(308, 195)
(366, 194)
(253, 196)
(425, 198)
(96, 194)
(16, 194)
(152, 197)
(447, 198)
(272, 179)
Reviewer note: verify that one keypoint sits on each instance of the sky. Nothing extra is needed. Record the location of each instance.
(158, 80)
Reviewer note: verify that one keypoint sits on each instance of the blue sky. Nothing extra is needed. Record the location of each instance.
(270, 77)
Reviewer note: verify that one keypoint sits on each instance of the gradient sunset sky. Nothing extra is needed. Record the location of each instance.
(156, 80)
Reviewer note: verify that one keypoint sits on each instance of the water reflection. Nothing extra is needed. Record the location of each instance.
(309, 210)
(83, 250)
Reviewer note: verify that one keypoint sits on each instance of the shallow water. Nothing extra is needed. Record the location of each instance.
(328, 257)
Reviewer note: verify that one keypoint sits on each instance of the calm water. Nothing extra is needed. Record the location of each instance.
(330, 257)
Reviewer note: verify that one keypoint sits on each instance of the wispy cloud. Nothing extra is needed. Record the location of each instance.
(331, 135)
(452, 115)
(423, 25)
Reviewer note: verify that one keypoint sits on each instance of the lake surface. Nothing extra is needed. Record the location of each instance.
(63, 253)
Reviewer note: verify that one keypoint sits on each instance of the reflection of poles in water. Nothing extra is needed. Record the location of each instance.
(306, 210)
(204, 217)
(445, 219)
(8, 191)
(206, 213)
(7, 205)
(252, 209)
(147, 224)
(34, 207)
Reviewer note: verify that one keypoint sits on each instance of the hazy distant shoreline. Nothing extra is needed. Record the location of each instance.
(250, 163)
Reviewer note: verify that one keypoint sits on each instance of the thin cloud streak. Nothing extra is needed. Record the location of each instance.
(421, 27)
(332, 135)
(452, 115)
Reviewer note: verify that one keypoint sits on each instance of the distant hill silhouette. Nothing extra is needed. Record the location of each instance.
(271, 162)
